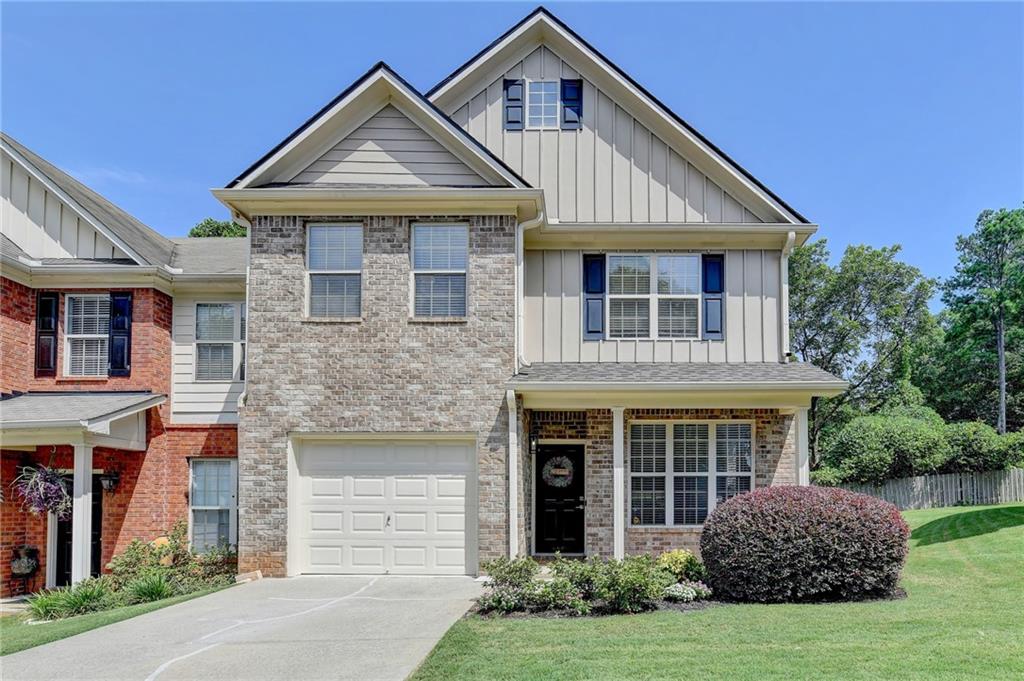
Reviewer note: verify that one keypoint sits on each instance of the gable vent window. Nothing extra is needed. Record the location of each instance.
(542, 104)
(87, 335)
(334, 259)
(220, 341)
(439, 261)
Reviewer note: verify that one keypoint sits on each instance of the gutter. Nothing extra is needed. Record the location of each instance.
(605, 386)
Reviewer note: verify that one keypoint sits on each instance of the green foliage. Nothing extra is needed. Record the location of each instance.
(872, 449)
(151, 587)
(680, 593)
(827, 476)
(683, 565)
(517, 572)
(87, 596)
(560, 594)
(211, 227)
(582, 574)
(1011, 449)
(974, 446)
(632, 584)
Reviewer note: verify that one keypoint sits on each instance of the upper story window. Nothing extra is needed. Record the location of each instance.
(653, 296)
(679, 471)
(440, 255)
(87, 333)
(543, 104)
(220, 341)
(334, 261)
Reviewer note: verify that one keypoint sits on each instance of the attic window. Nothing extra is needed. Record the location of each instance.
(542, 104)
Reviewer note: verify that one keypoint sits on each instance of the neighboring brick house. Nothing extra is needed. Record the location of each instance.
(531, 311)
(99, 375)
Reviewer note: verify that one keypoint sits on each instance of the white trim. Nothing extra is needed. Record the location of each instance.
(237, 343)
(413, 271)
(307, 310)
(618, 483)
(68, 336)
(81, 515)
(51, 549)
(670, 474)
(513, 473)
(232, 510)
(652, 296)
(803, 468)
(526, 104)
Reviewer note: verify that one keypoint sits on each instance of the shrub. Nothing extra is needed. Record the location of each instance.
(504, 599)
(512, 585)
(1011, 449)
(827, 476)
(683, 565)
(701, 590)
(86, 596)
(583, 575)
(632, 584)
(798, 544)
(560, 594)
(172, 559)
(873, 449)
(153, 587)
(680, 593)
(517, 572)
(974, 446)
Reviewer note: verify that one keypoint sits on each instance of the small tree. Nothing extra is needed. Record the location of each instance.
(211, 227)
(988, 286)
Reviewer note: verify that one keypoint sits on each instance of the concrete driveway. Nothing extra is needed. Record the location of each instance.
(293, 629)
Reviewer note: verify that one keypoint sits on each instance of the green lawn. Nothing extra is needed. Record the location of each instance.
(16, 634)
(963, 619)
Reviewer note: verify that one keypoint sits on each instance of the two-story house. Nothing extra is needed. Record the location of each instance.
(529, 311)
(121, 363)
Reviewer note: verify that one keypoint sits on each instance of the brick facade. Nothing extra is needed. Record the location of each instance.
(385, 373)
(774, 452)
(153, 490)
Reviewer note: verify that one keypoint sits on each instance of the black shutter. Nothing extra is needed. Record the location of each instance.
(713, 286)
(572, 104)
(46, 333)
(513, 104)
(120, 334)
(593, 297)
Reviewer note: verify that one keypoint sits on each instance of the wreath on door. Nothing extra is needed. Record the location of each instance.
(557, 472)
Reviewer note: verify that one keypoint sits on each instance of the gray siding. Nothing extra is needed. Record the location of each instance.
(612, 170)
(195, 401)
(389, 149)
(41, 224)
(553, 322)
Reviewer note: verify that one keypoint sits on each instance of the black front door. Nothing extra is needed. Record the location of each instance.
(64, 536)
(561, 499)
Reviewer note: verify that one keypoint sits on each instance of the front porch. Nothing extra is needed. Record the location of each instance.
(95, 440)
(626, 459)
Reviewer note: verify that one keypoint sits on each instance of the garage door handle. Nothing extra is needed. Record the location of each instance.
(387, 523)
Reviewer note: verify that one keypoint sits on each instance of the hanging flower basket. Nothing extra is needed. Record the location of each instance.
(43, 490)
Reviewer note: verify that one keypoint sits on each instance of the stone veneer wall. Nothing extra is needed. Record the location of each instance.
(384, 373)
(775, 464)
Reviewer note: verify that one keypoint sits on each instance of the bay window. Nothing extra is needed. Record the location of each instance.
(680, 470)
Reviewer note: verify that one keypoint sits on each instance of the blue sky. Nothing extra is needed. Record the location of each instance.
(883, 122)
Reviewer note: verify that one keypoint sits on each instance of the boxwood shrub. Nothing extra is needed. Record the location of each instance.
(874, 449)
(802, 544)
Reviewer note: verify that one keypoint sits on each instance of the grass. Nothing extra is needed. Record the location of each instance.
(17, 634)
(963, 619)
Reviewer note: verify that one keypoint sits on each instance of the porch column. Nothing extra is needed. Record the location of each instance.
(803, 448)
(513, 474)
(618, 482)
(81, 515)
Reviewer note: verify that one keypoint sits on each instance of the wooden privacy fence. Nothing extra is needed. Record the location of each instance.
(953, 489)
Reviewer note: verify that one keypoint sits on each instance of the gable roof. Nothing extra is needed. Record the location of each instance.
(541, 26)
(142, 243)
(376, 88)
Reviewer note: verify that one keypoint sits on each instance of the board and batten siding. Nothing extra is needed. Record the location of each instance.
(613, 169)
(41, 224)
(195, 401)
(553, 323)
(389, 149)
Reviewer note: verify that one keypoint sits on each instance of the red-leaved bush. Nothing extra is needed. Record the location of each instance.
(799, 544)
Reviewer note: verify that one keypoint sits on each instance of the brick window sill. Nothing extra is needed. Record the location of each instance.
(438, 320)
(82, 379)
(331, 320)
(664, 528)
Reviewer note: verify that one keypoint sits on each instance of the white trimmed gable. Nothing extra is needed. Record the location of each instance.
(389, 149)
(41, 223)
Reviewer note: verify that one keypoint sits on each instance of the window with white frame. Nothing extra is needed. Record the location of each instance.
(679, 471)
(87, 330)
(213, 502)
(439, 260)
(334, 260)
(542, 104)
(654, 295)
(220, 341)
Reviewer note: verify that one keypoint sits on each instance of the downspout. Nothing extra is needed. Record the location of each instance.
(520, 286)
(787, 248)
(240, 219)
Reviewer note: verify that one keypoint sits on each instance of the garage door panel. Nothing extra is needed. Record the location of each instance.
(375, 508)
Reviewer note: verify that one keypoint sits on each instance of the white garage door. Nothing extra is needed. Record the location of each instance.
(384, 507)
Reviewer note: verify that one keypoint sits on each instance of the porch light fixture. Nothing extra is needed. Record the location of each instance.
(533, 443)
(108, 481)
